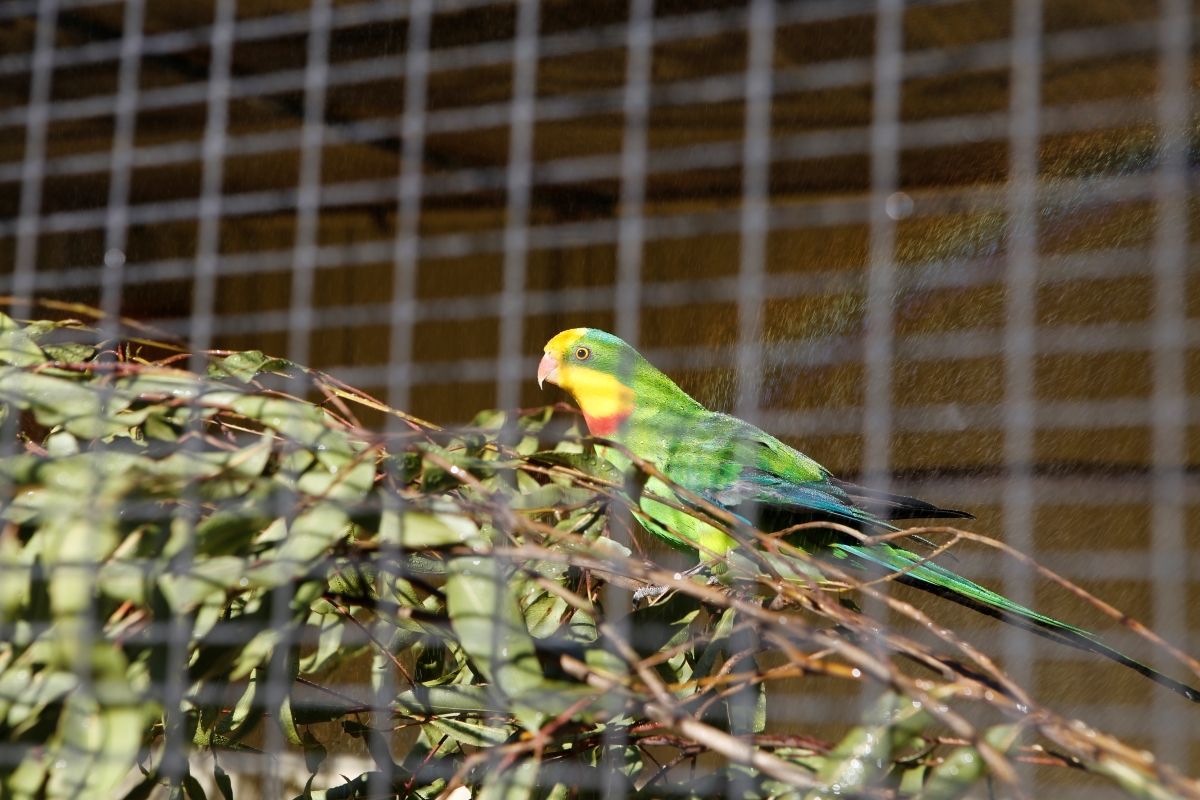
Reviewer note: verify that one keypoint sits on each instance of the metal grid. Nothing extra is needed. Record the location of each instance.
(1028, 197)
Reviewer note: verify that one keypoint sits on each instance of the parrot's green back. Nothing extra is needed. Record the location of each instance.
(745, 470)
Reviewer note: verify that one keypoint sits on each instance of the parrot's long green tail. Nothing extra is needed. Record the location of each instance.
(938, 580)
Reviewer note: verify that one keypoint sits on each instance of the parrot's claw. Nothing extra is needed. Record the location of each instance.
(648, 593)
(653, 592)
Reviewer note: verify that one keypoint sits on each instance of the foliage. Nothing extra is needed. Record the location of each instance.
(192, 554)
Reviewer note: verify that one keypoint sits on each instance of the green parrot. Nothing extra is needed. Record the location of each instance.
(750, 473)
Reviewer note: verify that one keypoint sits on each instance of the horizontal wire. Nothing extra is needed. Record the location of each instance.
(808, 353)
(347, 16)
(827, 211)
(957, 274)
(968, 128)
(493, 53)
(1069, 46)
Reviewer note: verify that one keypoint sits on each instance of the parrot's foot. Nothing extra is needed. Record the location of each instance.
(649, 593)
(653, 592)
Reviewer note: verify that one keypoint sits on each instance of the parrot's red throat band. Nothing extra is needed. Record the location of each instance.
(608, 426)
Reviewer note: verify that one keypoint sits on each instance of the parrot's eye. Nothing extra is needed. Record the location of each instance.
(583, 353)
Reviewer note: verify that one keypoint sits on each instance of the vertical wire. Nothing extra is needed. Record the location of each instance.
(518, 186)
(208, 220)
(639, 59)
(116, 224)
(406, 247)
(29, 209)
(405, 266)
(208, 245)
(308, 198)
(751, 290)
(33, 165)
(115, 234)
(300, 323)
(881, 278)
(756, 165)
(1019, 411)
(1168, 547)
(639, 52)
(878, 341)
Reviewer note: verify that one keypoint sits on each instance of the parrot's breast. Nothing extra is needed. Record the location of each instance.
(605, 402)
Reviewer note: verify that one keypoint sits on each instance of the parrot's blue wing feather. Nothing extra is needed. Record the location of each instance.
(805, 501)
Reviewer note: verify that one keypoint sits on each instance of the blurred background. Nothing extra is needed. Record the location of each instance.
(946, 245)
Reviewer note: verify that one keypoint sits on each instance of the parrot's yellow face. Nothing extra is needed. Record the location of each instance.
(580, 361)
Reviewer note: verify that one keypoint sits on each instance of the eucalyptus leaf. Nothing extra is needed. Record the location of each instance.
(446, 700)
(471, 733)
(515, 783)
(222, 781)
(488, 622)
(247, 364)
(962, 769)
(71, 353)
(418, 530)
(544, 615)
(18, 349)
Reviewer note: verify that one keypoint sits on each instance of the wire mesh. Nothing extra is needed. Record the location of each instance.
(944, 246)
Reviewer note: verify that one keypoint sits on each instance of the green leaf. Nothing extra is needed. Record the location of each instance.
(18, 349)
(247, 364)
(488, 622)
(419, 530)
(246, 713)
(70, 353)
(310, 534)
(515, 783)
(588, 463)
(222, 781)
(314, 751)
(192, 788)
(80, 409)
(26, 781)
(30, 694)
(228, 532)
(287, 723)
(718, 644)
(964, 767)
(423, 700)
(16, 565)
(329, 642)
(347, 479)
(206, 578)
(471, 733)
(301, 422)
(551, 496)
(864, 753)
(543, 617)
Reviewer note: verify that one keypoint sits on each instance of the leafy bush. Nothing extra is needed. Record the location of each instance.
(197, 549)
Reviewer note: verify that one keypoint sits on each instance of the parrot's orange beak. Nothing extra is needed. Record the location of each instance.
(547, 370)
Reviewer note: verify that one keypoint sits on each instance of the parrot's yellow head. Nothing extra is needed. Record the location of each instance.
(598, 370)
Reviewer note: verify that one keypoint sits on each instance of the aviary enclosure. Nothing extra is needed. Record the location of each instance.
(285, 513)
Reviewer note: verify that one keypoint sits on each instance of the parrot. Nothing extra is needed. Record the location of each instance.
(746, 471)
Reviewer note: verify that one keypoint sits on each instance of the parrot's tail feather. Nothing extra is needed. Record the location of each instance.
(886, 505)
(938, 580)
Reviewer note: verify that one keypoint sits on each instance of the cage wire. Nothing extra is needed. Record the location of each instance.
(944, 247)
